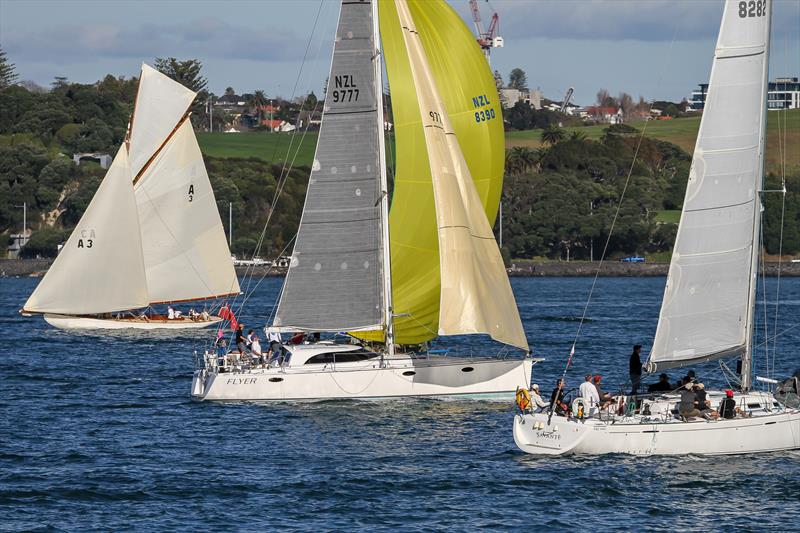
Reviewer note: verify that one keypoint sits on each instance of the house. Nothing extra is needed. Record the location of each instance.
(509, 97)
(607, 115)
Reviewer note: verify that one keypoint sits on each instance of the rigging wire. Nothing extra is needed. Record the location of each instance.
(782, 147)
(282, 178)
(611, 229)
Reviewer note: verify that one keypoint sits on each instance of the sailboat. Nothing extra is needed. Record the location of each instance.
(439, 270)
(150, 235)
(709, 302)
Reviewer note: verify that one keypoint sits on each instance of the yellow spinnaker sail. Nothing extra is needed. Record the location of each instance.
(466, 87)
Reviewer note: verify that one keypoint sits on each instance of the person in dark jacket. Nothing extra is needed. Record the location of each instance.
(557, 399)
(635, 369)
(663, 385)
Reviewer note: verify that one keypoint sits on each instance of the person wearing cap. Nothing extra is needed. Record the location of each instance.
(728, 408)
(589, 392)
(686, 407)
(702, 403)
(635, 369)
(605, 398)
(536, 398)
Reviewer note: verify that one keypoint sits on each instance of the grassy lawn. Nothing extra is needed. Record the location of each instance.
(669, 216)
(683, 132)
(262, 145)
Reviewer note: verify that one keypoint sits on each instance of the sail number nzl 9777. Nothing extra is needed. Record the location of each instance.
(344, 89)
(753, 8)
(482, 115)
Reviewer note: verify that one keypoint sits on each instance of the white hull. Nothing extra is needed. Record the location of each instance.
(770, 430)
(403, 377)
(74, 322)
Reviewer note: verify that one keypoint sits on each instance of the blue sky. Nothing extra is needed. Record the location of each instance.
(654, 48)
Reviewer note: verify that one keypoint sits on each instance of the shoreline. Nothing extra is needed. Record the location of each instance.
(34, 268)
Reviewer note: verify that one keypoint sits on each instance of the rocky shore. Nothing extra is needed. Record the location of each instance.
(37, 267)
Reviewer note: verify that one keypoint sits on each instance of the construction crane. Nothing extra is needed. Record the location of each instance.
(567, 98)
(487, 39)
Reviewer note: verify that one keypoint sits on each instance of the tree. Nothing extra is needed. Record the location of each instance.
(229, 91)
(8, 74)
(310, 103)
(517, 79)
(552, 134)
(258, 102)
(606, 100)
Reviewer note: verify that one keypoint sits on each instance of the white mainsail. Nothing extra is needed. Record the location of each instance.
(185, 252)
(476, 295)
(708, 302)
(161, 103)
(100, 268)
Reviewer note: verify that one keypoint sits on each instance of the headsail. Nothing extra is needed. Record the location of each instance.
(186, 255)
(708, 302)
(476, 295)
(100, 268)
(160, 104)
(467, 90)
(335, 277)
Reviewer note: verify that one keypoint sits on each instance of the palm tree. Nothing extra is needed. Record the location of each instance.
(552, 134)
(258, 102)
(577, 136)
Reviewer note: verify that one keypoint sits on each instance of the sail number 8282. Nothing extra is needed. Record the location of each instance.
(753, 8)
(484, 115)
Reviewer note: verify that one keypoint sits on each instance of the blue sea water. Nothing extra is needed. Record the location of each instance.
(97, 432)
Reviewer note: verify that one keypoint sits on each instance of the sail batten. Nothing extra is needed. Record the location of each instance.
(707, 308)
(335, 278)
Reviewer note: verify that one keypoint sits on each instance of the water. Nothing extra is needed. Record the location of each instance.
(97, 432)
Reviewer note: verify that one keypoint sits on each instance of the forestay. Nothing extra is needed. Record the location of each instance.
(476, 295)
(160, 105)
(100, 268)
(335, 278)
(708, 301)
(186, 255)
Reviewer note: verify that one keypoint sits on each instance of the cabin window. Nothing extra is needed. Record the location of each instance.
(341, 357)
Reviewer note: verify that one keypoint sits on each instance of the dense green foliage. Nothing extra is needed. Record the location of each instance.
(559, 198)
(565, 197)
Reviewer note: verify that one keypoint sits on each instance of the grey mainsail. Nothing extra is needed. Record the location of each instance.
(708, 302)
(335, 279)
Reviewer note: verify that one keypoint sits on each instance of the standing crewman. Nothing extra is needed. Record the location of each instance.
(635, 369)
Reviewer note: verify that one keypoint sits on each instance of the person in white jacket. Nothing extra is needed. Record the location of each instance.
(589, 392)
(536, 399)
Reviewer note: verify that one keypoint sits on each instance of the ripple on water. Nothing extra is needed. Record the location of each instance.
(97, 432)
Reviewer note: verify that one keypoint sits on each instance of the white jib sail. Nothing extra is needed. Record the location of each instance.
(707, 308)
(161, 102)
(186, 255)
(100, 268)
(476, 295)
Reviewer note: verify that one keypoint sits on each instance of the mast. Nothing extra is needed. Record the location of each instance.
(747, 357)
(388, 311)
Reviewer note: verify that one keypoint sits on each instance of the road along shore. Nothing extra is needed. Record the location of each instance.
(10, 268)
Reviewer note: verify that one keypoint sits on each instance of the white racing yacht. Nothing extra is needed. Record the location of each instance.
(441, 272)
(709, 301)
(151, 234)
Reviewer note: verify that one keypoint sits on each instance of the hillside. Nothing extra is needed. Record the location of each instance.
(683, 132)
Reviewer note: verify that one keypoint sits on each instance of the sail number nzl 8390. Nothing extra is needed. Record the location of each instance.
(345, 89)
(482, 115)
(753, 8)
